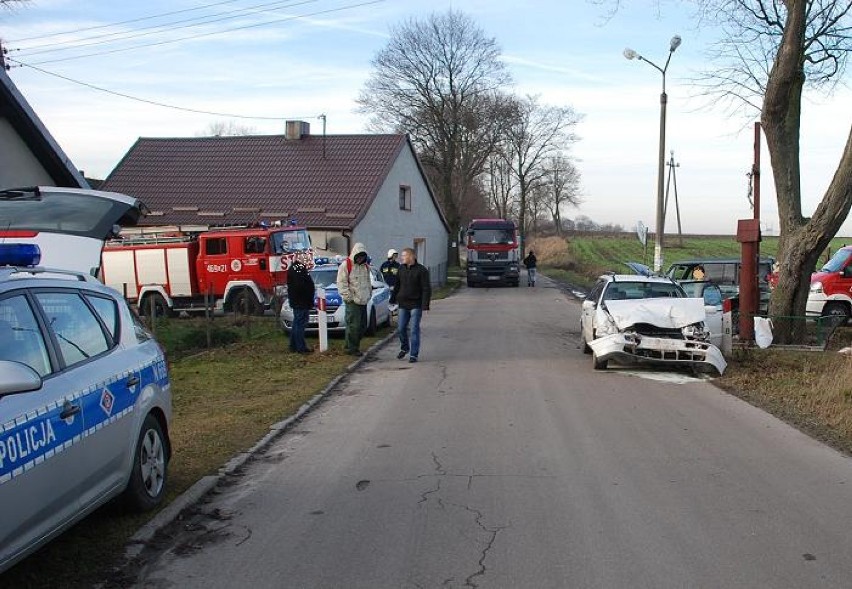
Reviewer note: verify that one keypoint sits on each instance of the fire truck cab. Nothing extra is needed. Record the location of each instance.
(239, 269)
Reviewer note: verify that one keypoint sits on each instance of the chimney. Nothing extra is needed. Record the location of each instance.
(297, 130)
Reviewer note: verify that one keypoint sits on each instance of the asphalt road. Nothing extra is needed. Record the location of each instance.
(503, 459)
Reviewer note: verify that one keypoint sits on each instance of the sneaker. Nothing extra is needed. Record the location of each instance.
(412, 359)
(401, 354)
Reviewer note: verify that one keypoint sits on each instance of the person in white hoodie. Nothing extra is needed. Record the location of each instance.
(355, 288)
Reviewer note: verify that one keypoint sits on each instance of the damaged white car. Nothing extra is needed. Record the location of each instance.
(647, 319)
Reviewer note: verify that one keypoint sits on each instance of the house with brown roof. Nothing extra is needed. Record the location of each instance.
(345, 188)
(30, 154)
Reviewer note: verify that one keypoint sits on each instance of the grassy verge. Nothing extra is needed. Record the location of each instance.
(224, 400)
(810, 390)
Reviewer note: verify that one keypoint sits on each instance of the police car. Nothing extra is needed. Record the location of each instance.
(85, 399)
(325, 276)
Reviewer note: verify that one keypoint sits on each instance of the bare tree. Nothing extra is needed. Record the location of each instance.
(772, 50)
(536, 132)
(439, 80)
(499, 184)
(226, 129)
(562, 180)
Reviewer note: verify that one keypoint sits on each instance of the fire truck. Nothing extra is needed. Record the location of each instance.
(240, 269)
(492, 252)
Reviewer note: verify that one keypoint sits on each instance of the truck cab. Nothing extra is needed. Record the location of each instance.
(492, 252)
(831, 287)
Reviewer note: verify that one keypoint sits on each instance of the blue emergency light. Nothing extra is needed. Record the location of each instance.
(19, 254)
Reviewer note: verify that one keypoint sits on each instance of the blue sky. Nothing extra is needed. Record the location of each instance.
(316, 57)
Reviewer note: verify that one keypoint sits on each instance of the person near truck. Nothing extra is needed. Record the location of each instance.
(530, 262)
(412, 292)
(300, 292)
(355, 288)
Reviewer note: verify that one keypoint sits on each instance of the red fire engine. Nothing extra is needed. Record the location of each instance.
(241, 269)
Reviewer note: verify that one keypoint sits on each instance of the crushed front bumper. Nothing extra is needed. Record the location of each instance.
(630, 348)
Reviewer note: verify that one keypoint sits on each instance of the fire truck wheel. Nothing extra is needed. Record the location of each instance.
(160, 307)
(243, 302)
(836, 310)
(371, 323)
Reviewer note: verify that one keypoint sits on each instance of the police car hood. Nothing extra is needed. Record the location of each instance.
(69, 225)
(667, 313)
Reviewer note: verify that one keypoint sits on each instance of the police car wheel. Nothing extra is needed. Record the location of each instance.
(147, 484)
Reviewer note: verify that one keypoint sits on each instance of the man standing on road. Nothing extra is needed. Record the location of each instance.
(300, 292)
(355, 288)
(412, 292)
(530, 262)
(390, 269)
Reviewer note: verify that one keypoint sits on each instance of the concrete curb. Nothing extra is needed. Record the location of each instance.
(136, 544)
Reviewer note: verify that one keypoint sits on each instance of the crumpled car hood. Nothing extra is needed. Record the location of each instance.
(665, 313)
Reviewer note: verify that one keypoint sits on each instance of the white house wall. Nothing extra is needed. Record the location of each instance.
(386, 226)
(18, 166)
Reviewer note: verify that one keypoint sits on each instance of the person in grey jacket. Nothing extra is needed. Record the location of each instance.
(355, 288)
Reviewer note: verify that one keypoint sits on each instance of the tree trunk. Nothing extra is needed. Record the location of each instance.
(802, 240)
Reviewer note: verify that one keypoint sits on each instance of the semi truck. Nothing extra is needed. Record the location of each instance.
(241, 269)
(492, 252)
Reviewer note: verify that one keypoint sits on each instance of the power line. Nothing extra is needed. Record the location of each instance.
(152, 102)
(123, 22)
(155, 29)
(200, 35)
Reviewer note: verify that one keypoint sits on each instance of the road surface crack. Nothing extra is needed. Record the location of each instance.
(425, 496)
(492, 537)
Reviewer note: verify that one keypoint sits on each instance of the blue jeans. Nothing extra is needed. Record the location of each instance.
(297, 331)
(530, 275)
(409, 344)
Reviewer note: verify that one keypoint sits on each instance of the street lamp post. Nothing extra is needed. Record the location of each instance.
(661, 216)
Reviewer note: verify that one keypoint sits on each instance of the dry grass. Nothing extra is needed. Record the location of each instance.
(810, 390)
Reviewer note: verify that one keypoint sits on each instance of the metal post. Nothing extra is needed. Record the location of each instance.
(661, 165)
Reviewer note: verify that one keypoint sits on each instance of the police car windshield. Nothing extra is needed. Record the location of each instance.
(836, 263)
(323, 277)
(296, 240)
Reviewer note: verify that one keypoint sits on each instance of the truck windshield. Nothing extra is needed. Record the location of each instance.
(491, 236)
(293, 240)
(837, 261)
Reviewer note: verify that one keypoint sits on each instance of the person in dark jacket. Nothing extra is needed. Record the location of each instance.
(412, 292)
(390, 268)
(300, 292)
(530, 263)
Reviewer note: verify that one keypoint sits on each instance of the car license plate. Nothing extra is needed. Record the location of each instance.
(493, 278)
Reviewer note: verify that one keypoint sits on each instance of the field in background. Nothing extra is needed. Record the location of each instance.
(582, 258)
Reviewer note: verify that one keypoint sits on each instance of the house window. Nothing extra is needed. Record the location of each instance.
(404, 197)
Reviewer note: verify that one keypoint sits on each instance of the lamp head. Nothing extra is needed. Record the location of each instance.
(630, 54)
(676, 40)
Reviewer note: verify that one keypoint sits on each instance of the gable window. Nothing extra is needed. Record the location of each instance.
(404, 197)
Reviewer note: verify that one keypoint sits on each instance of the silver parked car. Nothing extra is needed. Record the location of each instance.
(85, 399)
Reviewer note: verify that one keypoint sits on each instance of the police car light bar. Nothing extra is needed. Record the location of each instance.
(20, 254)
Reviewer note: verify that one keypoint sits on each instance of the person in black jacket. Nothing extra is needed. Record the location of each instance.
(530, 263)
(300, 291)
(412, 292)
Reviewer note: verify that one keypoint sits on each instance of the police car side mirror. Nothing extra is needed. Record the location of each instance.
(17, 378)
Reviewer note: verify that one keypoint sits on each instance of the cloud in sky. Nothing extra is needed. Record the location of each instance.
(569, 53)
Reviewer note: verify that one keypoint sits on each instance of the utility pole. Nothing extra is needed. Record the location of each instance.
(672, 179)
